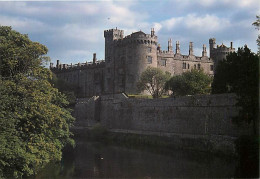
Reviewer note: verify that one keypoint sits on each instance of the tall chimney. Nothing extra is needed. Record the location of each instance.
(58, 64)
(178, 51)
(170, 45)
(204, 52)
(231, 45)
(152, 32)
(191, 48)
(94, 58)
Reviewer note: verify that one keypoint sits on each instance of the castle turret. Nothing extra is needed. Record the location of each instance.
(51, 65)
(178, 51)
(58, 64)
(94, 58)
(212, 45)
(110, 36)
(152, 32)
(191, 48)
(204, 51)
(220, 52)
(170, 45)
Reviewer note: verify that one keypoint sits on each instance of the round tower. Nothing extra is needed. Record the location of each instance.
(212, 45)
(141, 53)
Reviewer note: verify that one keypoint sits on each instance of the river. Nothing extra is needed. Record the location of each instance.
(96, 160)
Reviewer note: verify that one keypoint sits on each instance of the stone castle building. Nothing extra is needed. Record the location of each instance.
(127, 57)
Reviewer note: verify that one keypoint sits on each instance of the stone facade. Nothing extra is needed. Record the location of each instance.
(127, 57)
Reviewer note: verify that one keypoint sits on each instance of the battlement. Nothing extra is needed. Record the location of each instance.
(70, 67)
(165, 52)
(141, 35)
(219, 48)
(114, 33)
(94, 64)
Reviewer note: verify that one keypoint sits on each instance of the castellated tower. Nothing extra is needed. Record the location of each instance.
(220, 52)
(127, 57)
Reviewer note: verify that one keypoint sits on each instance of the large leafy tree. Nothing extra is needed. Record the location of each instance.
(189, 83)
(257, 26)
(153, 80)
(34, 123)
(239, 74)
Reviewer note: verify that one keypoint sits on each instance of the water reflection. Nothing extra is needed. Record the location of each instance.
(95, 160)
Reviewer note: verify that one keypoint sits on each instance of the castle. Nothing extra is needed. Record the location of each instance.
(127, 57)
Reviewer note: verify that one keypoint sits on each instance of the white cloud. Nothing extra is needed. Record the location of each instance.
(24, 24)
(192, 22)
(207, 23)
(79, 32)
(157, 26)
(171, 23)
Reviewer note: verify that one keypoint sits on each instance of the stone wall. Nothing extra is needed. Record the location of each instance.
(202, 118)
(200, 115)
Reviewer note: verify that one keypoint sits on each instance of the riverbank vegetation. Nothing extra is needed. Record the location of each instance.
(189, 83)
(34, 120)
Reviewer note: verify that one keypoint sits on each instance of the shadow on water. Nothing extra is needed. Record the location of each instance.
(97, 160)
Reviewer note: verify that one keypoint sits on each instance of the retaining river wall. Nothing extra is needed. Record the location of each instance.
(203, 122)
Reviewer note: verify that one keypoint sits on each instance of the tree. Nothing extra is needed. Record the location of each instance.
(34, 123)
(239, 74)
(257, 26)
(153, 80)
(189, 83)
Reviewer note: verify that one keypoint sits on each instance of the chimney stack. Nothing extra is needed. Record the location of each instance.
(231, 45)
(204, 52)
(170, 45)
(178, 51)
(58, 64)
(152, 32)
(94, 58)
(191, 48)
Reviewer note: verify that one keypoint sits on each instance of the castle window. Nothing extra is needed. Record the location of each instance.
(149, 59)
(198, 66)
(188, 66)
(149, 49)
(163, 62)
(183, 65)
(195, 66)
(211, 67)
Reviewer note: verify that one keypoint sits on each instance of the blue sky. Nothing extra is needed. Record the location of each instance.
(73, 31)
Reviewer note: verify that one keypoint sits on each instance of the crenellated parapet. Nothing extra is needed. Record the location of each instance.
(114, 33)
(79, 66)
(219, 52)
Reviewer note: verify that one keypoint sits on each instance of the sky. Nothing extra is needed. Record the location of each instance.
(74, 30)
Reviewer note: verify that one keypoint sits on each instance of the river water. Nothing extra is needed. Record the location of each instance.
(96, 160)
